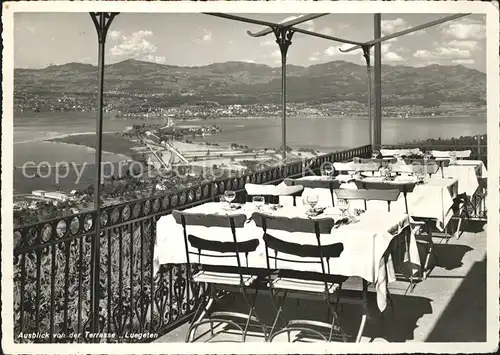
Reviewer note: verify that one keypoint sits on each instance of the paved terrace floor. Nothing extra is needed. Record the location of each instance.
(449, 306)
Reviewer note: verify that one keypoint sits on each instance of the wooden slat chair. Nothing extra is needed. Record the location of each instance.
(329, 184)
(380, 161)
(410, 169)
(237, 279)
(387, 195)
(300, 285)
(460, 154)
(347, 168)
(430, 164)
(394, 152)
(384, 193)
(461, 201)
(272, 193)
(404, 188)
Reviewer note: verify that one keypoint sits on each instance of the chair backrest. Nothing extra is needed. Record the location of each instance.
(438, 161)
(394, 152)
(402, 168)
(343, 167)
(428, 168)
(272, 192)
(460, 154)
(370, 166)
(381, 162)
(213, 248)
(388, 195)
(403, 187)
(317, 254)
(329, 184)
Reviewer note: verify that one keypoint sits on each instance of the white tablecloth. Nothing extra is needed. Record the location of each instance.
(482, 169)
(364, 243)
(466, 175)
(431, 200)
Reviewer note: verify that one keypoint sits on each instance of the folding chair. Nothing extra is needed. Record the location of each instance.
(239, 280)
(460, 154)
(388, 195)
(404, 188)
(394, 152)
(416, 223)
(460, 206)
(329, 184)
(384, 194)
(428, 164)
(271, 193)
(380, 161)
(368, 166)
(285, 283)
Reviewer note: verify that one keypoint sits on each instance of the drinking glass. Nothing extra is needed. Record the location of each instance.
(312, 200)
(328, 169)
(343, 206)
(375, 153)
(357, 173)
(229, 196)
(388, 172)
(258, 201)
(453, 158)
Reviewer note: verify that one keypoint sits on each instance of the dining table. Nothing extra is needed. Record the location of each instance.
(431, 199)
(366, 239)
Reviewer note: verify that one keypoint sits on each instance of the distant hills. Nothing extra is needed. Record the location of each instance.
(241, 82)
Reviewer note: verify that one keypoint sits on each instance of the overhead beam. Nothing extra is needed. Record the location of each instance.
(331, 38)
(407, 31)
(288, 23)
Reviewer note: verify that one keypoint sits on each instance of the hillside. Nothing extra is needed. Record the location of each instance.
(239, 82)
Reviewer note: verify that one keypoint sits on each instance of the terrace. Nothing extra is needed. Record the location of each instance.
(68, 280)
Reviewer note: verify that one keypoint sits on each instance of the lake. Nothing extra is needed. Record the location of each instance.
(324, 134)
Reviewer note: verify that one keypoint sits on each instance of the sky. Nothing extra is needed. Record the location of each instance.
(43, 39)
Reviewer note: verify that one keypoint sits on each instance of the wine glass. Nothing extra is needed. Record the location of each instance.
(388, 172)
(453, 158)
(258, 201)
(343, 206)
(312, 200)
(328, 169)
(229, 196)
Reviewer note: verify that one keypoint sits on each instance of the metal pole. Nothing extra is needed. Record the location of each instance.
(366, 54)
(377, 139)
(283, 105)
(284, 40)
(102, 21)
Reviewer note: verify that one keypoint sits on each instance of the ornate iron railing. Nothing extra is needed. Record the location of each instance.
(52, 265)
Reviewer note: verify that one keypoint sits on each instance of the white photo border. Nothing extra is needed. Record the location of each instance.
(448, 7)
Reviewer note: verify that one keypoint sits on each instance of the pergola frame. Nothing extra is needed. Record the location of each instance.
(283, 33)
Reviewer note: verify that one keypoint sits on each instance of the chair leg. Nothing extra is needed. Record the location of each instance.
(430, 252)
(278, 305)
(251, 306)
(361, 328)
(463, 213)
(197, 318)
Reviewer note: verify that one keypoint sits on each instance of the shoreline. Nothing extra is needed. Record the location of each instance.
(361, 115)
(57, 135)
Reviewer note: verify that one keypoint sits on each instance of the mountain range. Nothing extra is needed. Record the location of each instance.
(242, 82)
